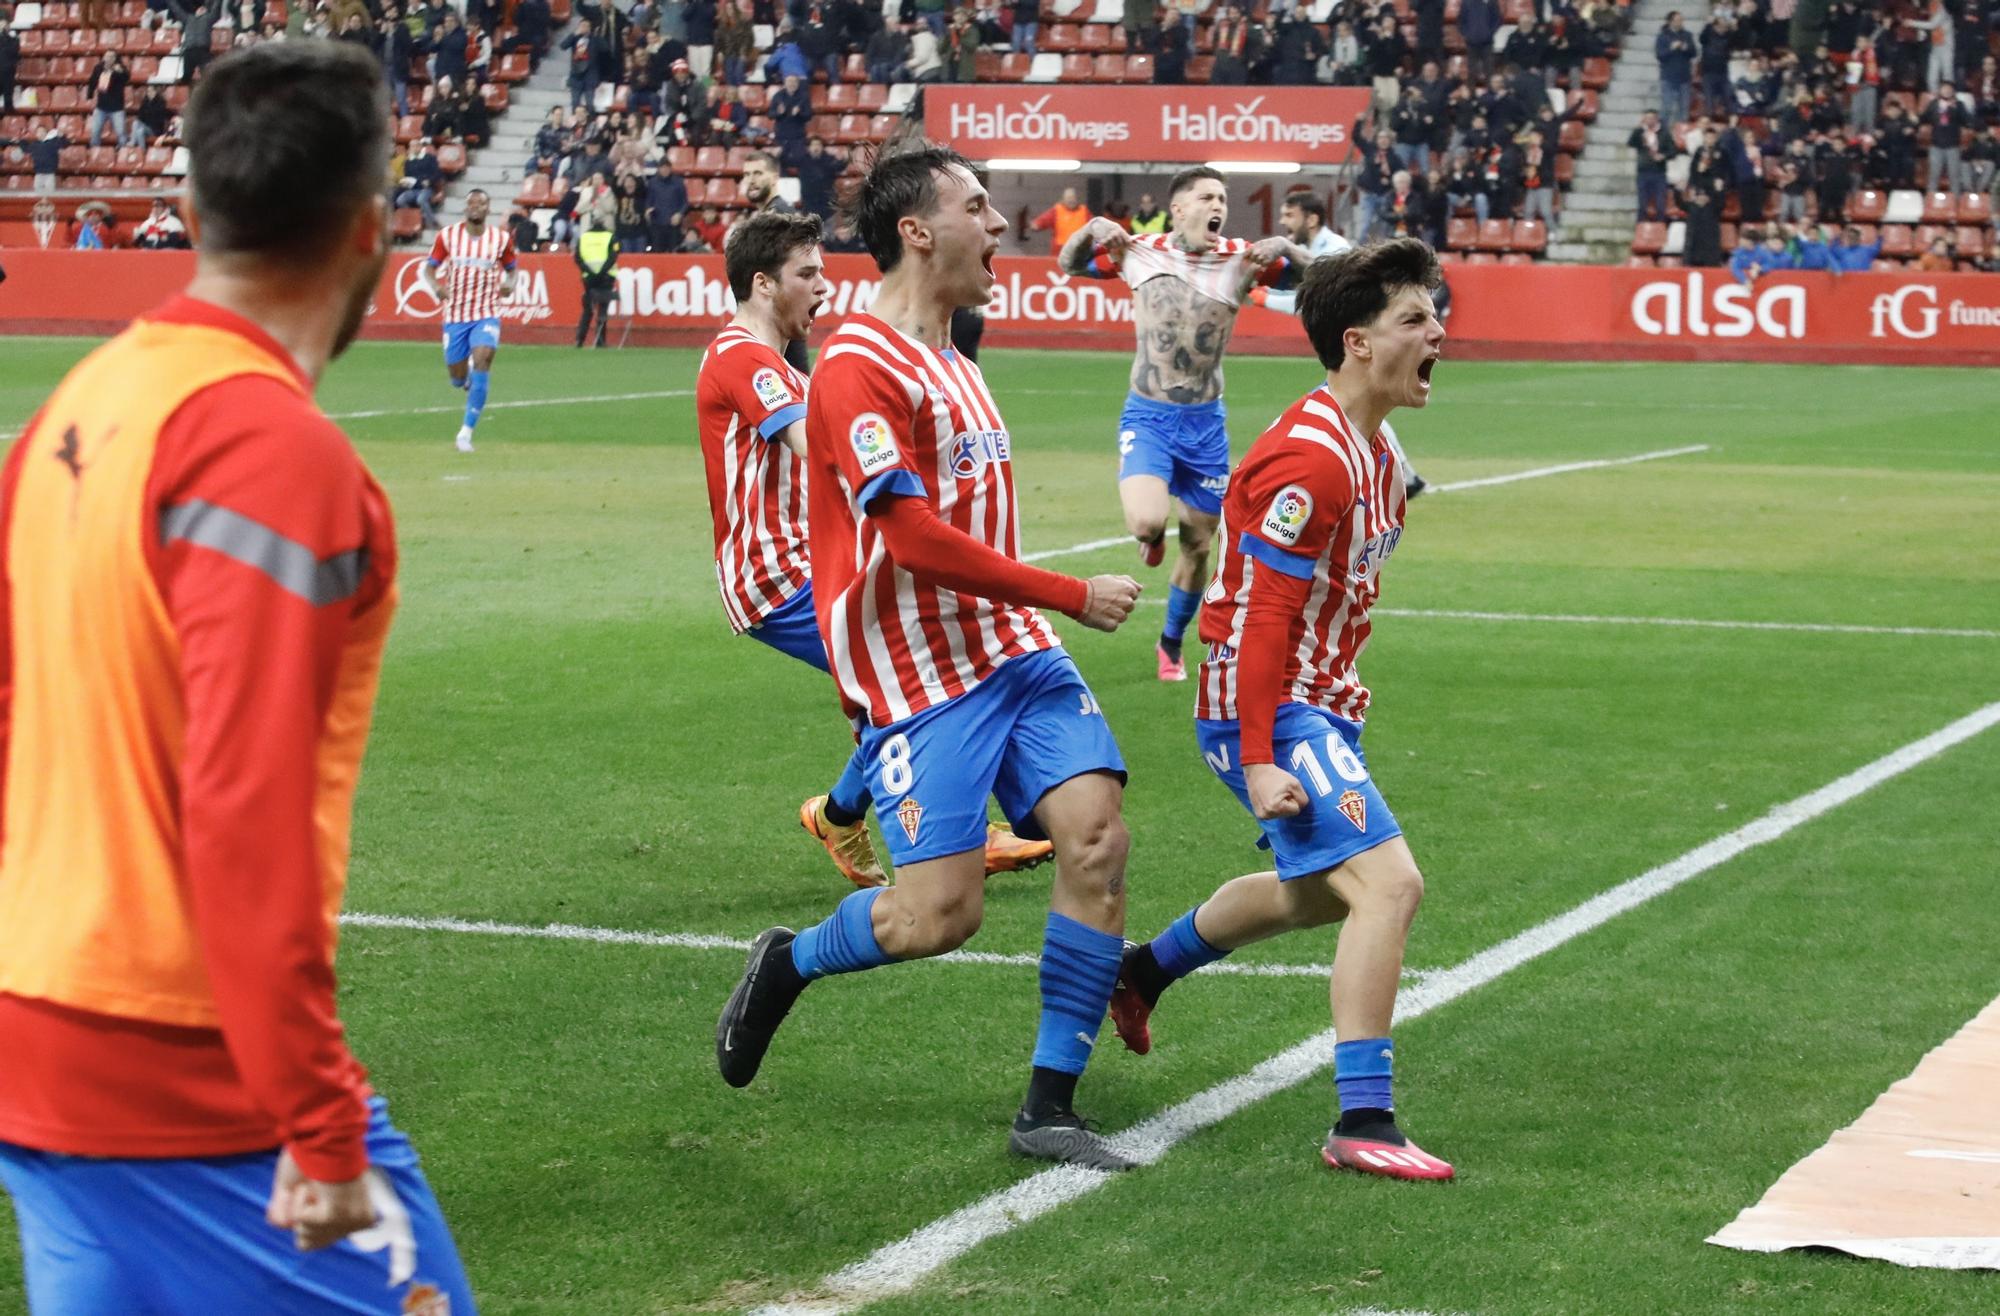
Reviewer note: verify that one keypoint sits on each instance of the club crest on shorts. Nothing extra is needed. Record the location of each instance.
(911, 815)
(874, 443)
(770, 389)
(1355, 806)
(426, 1300)
(1286, 520)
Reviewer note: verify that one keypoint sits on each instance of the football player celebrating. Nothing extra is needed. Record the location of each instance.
(1173, 436)
(961, 686)
(1315, 510)
(750, 405)
(479, 265)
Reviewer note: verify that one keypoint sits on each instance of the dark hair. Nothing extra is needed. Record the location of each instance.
(1307, 204)
(478, 191)
(762, 244)
(284, 141)
(765, 156)
(898, 183)
(1187, 178)
(1351, 288)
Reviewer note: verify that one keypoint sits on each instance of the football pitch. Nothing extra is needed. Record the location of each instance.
(1720, 670)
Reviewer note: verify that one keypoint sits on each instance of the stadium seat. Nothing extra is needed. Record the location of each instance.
(986, 66)
(1565, 170)
(409, 223)
(496, 96)
(841, 99)
(881, 127)
(158, 158)
(723, 192)
(1971, 242)
(1451, 258)
(1940, 208)
(1461, 234)
(1906, 206)
(65, 97)
(1496, 235)
(1640, 262)
(1896, 241)
(1481, 258)
(1649, 238)
(853, 130)
(1200, 69)
(1104, 68)
(1926, 234)
(1587, 105)
(102, 160)
(451, 159)
(738, 157)
(536, 190)
(874, 95)
(1572, 136)
(409, 128)
(513, 67)
(1975, 208)
(1138, 68)
(755, 97)
(855, 69)
(1060, 38)
(709, 160)
(1671, 262)
(1530, 235)
(1596, 73)
(1517, 258)
(1095, 38)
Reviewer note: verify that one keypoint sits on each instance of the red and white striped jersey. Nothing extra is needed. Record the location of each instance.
(888, 415)
(473, 270)
(1217, 273)
(744, 398)
(1312, 499)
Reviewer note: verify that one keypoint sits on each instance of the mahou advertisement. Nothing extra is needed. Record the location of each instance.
(1308, 125)
(1539, 312)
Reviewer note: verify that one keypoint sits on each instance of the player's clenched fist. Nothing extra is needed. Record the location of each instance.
(1110, 602)
(1274, 792)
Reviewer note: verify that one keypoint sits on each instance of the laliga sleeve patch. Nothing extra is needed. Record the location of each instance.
(1290, 510)
(874, 443)
(771, 390)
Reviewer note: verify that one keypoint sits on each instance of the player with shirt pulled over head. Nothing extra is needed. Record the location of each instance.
(1173, 436)
(961, 685)
(197, 575)
(750, 407)
(480, 266)
(1313, 513)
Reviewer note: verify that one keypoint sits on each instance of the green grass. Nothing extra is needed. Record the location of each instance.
(568, 733)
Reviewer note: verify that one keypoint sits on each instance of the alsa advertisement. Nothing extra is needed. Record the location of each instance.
(1540, 312)
(1309, 125)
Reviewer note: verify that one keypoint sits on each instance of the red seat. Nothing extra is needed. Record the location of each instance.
(536, 190)
(1095, 38)
(723, 192)
(986, 66)
(1104, 68)
(131, 160)
(709, 160)
(1640, 262)
(855, 69)
(1530, 235)
(874, 95)
(409, 128)
(1496, 235)
(1975, 208)
(1885, 267)
(65, 97)
(451, 159)
(1450, 258)
(1940, 208)
(496, 97)
(1896, 241)
(102, 160)
(1460, 234)
(1671, 262)
(1971, 242)
(1597, 73)
(754, 96)
(1649, 238)
(852, 131)
(1200, 68)
(1481, 258)
(1586, 106)
(1927, 234)
(841, 98)
(1565, 170)
(1138, 68)
(513, 67)
(1572, 137)
(1061, 38)
(1867, 206)
(881, 127)
(1517, 258)
(409, 223)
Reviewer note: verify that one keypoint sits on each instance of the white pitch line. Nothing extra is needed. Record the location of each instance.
(900, 1266)
(705, 941)
(1699, 623)
(1537, 473)
(512, 402)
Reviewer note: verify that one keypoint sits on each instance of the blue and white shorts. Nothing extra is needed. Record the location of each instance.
(1026, 729)
(462, 336)
(1185, 445)
(1346, 814)
(792, 628)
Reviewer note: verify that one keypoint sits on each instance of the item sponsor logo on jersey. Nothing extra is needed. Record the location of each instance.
(1286, 520)
(1354, 805)
(426, 1300)
(771, 390)
(976, 448)
(874, 443)
(911, 815)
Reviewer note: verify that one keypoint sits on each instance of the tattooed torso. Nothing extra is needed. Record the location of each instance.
(1182, 336)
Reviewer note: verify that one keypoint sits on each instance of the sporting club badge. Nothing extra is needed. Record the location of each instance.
(1286, 520)
(911, 815)
(426, 1300)
(874, 443)
(770, 389)
(1354, 805)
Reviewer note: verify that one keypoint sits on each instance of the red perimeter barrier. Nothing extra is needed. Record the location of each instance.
(1540, 312)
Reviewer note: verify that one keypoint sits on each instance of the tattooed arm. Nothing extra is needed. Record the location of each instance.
(1081, 249)
(1182, 336)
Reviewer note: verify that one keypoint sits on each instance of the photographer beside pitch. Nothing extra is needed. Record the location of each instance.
(1313, 513)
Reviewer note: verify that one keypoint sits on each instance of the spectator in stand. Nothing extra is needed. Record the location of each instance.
(1793, 179)
(1430, 30)
(1812, 249)
(1946, 119)
(707, 232)
(1703, 248)
(531, 30)
(820, 47)
(1851, 253)
(108, 82)
(90, 226)
(596, 256)
(1503, 170)
(1538, 183)
(420, 182)
(149, 119)
(584, 49)
(818, 173)
(1478, 20)
(1174, 44)
(680, 101)
(1402, 211)
(527, 237)
(1141, 22)
(628, 199)
(449, 50)
(1413, 123)
(1757, 89)
(642, 84)
(1503, 112)
(1896, 146)
(1465, 185)
(1529, 48)
(888, 53)
(1373, 183)
(1940, 25)
(1937, 259)
(441, 121)
(1981, 159)
(666, 208)
(702, 17)
(1833, 174)
(1027, 25)
(1774, 256)
(926, 61)
(790, 111)
(1063, 219)
(10, 60)
(162, 230)
(1345, 65)
(1382, 55)
(931, 13)
(1147, 217)
(1436, 207)
(1984, 87)
(1654, 147)
(1743, 259)
(1718, 38)
(760, 184)
(197, 32)
(44, 155)
(961, 47)
(1864, 81)
(729, 118)
(395, 48)
(475, 121)
(1674, 48)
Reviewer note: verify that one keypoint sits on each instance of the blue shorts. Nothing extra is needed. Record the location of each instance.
(1187, 446)
(461, 337)
(188, 1238)
(1347, 815)
(792, 628)
(1026, 729)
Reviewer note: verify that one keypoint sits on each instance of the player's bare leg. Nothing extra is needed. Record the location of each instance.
(1147, 506)
(1079, 966)
(1186, 582)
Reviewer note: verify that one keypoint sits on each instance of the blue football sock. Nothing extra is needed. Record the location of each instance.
(1362, 1072)
(1180, 950)
(460, 384)
(475, 395)
(844, 942)
(850, 794)
(1182, 604)
(1079, 969)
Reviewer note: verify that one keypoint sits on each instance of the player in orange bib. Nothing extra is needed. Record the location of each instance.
(196, 579)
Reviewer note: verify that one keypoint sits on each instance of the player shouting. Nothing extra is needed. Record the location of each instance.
(1173, 436)
(750, 405)
(480, 269)
(1313, 513)
(963, 688)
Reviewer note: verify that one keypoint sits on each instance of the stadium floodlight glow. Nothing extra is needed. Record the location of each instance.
(1034, 165)
(1254, 166)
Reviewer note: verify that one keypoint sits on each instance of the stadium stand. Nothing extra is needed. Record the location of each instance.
(1851, 146)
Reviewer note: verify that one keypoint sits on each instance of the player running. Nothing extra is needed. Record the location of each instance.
(750, 406)
(1313, 513)
(962, 686)
(196, 580)
(1173, 437)
(480, 269)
